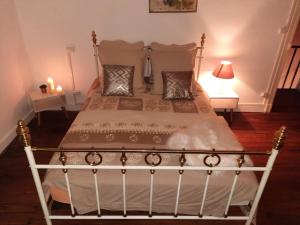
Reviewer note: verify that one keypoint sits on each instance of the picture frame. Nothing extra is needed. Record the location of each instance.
(172, 6)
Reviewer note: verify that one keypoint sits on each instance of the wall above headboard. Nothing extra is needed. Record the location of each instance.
(244, 32)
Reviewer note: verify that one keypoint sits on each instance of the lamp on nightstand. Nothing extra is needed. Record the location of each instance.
(223, 71)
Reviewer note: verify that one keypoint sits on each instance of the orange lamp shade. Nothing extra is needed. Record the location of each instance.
(224, 70)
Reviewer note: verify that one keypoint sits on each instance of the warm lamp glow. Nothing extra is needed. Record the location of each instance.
(59, 89)
(206, 80)
(51, 85)
(225, 62)
(213, 84)
(224, 70)
(50, 80)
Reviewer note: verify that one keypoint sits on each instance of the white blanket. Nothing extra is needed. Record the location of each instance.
(208, 135)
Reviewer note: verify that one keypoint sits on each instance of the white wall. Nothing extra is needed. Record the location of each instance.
(245, 32)
(15, 76)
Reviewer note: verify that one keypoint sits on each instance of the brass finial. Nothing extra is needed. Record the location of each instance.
(23, 132)
(94, 37)
(182, 159)
(241, 160)
(123, 158)
(279, 138)
(203, 37)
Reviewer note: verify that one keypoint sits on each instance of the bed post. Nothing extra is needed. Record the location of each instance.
(94, 39)
(201, 48)
(277, 145)
(24, 133)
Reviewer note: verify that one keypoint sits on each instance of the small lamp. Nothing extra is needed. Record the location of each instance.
(223, 71)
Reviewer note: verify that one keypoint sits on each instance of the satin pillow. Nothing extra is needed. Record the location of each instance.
(177, 85)
(125, 53)
(118, 80)
(170, 58)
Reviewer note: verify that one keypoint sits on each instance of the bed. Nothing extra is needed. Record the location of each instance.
(166, 159)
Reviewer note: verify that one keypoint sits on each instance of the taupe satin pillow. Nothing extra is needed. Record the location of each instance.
(170, 58)
(177, 85)
(125, 53)
(118, 80)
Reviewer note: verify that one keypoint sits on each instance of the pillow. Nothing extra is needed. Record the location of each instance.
(173, 48)
(124, 53)
(170, 58)
(177, 85)
(118, 80)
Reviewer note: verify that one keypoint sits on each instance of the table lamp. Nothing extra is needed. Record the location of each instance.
(223, 71)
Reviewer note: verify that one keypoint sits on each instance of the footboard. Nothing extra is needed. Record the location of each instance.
(152, 165)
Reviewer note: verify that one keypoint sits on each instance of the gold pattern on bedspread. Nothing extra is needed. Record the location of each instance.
(130, 104)
(143, 120)
(146, 104)
(115, 136)
(184, 106)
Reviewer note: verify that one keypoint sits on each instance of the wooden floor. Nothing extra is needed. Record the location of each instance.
(280, 203)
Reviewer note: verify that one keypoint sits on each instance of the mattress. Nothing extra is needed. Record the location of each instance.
(145, 121)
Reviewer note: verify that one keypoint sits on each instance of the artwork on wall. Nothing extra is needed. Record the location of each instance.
(170, 6)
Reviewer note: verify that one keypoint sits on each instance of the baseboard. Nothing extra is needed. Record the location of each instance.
(251, 107)
(11, 134)
(268, 107)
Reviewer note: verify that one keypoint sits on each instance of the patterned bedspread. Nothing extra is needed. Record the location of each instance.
(144, 121)
(141, 121)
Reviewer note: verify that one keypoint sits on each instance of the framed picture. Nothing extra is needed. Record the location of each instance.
(171, 6)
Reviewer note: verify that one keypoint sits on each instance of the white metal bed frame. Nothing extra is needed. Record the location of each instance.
(152, 164)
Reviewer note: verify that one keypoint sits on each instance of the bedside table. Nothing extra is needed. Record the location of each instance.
(42, 102)
(227, 100)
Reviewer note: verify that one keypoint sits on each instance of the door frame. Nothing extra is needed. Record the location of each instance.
(282, 54)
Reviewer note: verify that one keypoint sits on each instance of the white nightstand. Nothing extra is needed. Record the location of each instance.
(227, 100)
(42, 102)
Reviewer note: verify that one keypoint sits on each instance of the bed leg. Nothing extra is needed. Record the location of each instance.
(38, 184)
(65, 112)
(24, 133)
(261, 186)
(277, 145)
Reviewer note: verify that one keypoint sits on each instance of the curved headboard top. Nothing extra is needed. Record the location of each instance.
(200, 49)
